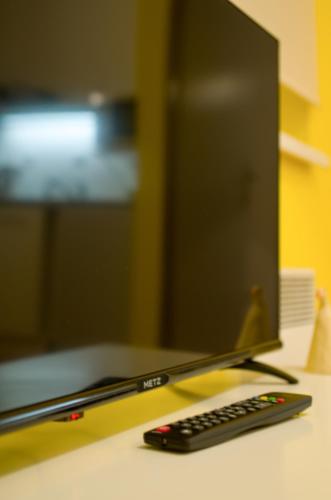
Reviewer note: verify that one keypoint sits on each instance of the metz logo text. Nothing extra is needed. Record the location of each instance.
(151, 383)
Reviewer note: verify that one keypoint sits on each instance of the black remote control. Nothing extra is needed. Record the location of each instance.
(222, 424)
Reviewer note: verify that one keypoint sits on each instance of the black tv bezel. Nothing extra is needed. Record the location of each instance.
(62, 407)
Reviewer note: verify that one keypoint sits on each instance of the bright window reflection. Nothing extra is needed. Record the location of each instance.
(74, 131)
(56, 156)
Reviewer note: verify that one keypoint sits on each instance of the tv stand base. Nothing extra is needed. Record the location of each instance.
(257, 366)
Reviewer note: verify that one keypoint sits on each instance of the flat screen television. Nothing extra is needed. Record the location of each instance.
(138, 199)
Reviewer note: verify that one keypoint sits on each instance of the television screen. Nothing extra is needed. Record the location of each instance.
(138, 192)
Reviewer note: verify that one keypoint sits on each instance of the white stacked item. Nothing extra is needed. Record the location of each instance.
(297, 315)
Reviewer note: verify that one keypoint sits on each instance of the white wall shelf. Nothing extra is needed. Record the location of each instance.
(293, 23)
(292, 146)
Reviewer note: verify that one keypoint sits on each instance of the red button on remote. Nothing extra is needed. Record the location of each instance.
(164, 428)
(280, 400)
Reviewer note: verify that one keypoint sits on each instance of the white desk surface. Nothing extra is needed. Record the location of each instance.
(291, 460)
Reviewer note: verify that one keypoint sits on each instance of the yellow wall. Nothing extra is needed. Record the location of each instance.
(305, 189)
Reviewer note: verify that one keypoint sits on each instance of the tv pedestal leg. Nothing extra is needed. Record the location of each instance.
(257, 366)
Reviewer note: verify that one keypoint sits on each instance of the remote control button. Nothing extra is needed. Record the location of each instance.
(198, 428)
(186, 432)
(163, 428)
(219, 413)
(240, 412)
(280, 400)
(231, 415)
(272, 399)
(263, 405)
(225, 419)
(251, 409)
(207, 425)
(175, 425)
(247, 404)
(215, 421)
(186, 425)
(264, 398)
(202, 420)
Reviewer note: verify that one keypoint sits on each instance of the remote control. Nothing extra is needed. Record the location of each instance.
(222, 424)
